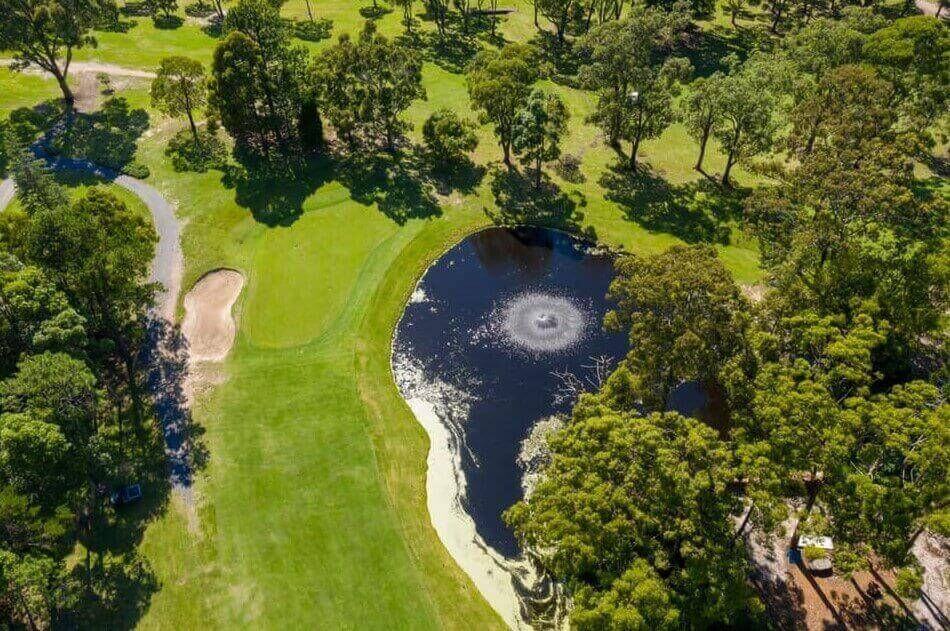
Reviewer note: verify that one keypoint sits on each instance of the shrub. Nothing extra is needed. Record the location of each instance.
(311, 31)
(813, 553)
(908, 581)
(569, 168)
(447, 137)
(199, 9)
(136, 169)
(209, 152)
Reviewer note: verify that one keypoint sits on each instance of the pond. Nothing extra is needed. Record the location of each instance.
(494, 331)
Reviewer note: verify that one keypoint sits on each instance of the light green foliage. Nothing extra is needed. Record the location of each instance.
(637, 601)
(499, 83)
(897, 474)
(34, 315)
(538, 128)
(179, 88)
(908, 581)
(684, 315)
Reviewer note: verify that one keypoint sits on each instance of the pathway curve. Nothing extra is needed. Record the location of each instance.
(167, 352)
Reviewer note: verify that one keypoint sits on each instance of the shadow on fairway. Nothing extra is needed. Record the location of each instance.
(698, 211)
(395, 183)
(274, 191)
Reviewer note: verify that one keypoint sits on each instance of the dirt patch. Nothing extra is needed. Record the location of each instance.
(208, 325)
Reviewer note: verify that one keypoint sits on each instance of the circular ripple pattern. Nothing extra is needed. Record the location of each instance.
(542, 323)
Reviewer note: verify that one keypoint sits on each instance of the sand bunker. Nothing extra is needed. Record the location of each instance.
(208, 325)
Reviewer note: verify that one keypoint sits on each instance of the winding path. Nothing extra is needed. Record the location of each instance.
(166, 353)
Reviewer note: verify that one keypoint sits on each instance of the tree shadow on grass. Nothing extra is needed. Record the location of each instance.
(275, 190)
(395, 183)
(698, 211)
(519, 202)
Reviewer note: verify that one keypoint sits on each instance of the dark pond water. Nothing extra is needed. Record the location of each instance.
(502, 313)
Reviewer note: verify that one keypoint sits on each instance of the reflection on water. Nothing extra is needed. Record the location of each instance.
(458, 334)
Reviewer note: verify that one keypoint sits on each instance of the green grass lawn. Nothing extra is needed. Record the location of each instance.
(24, 89)
(311, 511)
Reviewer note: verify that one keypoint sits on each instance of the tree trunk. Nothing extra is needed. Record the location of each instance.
(732, 20)
(633, 153)
(776, 16)
(536, 25)
(725, 175)
(506, 148)
(702, 147)
(309, 10)
(194, 128)
(68, 98)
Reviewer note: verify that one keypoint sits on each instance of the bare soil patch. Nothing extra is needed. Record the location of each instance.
(208, 324)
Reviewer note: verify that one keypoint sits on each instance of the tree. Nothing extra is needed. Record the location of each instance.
(684, 315)
(701, 111)
(98, 251)
(848, 107)
(366, 85)
(538, 129)
(47, 32)
(34, 315)
(558, 12)
(407, 18)
(499, 83)
(638, 601)
(257, 79)
(748, 108)
(846, 228)
(650, 103)
(913, 53)
(897, 475)
(632, 514)
(37, 189)
(735, 9)
(180, 87)
(614, 54)
(447, 137)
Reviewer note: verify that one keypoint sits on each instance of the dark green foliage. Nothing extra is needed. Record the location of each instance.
(312, 30)
(538, 128)
(257, 80)
(499, 83)
(685, 316)
(448, 138)
(365, 85)
(633, 514)
(209, 152)
(108, 137)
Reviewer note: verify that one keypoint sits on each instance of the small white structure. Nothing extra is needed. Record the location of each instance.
(812, 541)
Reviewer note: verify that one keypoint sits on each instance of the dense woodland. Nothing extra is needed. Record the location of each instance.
(835, 378)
